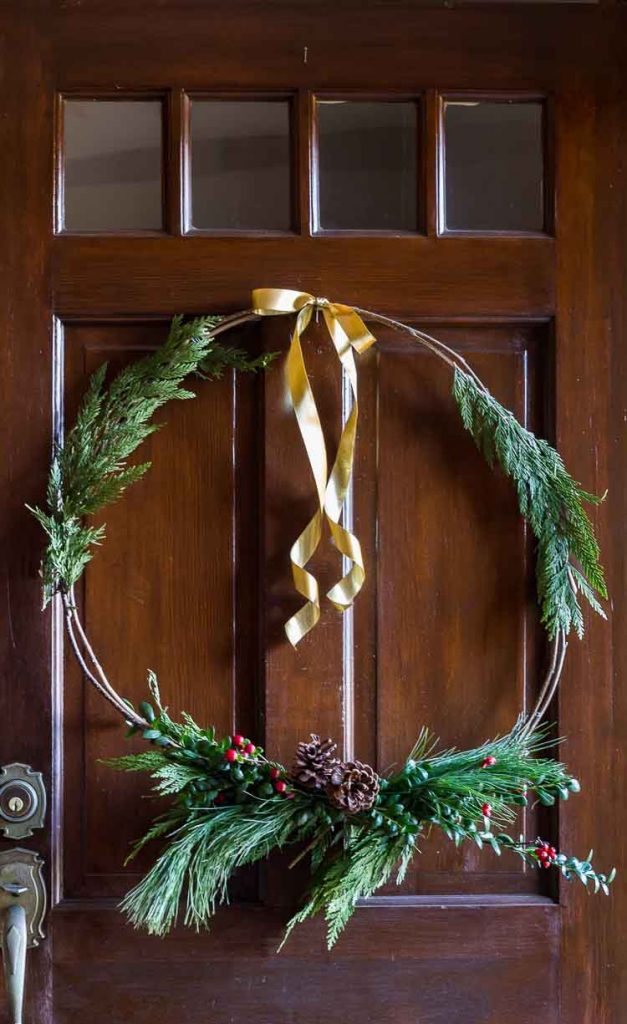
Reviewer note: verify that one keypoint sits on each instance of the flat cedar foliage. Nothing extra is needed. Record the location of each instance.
(550, 501)
(89, 469)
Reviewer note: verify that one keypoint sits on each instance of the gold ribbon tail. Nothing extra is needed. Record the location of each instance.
(304, 547)
(347, 332)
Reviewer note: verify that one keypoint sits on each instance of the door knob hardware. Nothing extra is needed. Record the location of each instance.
(22, 800)
(22, 910)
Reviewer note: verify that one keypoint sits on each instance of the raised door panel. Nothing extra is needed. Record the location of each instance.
(451, 598)
(162, 594)
(436, 967)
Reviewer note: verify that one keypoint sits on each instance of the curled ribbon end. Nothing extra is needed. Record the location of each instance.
(344, 593)
(302, 623)
(292, 636)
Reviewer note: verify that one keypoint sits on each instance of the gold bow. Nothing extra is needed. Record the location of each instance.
(348, 332)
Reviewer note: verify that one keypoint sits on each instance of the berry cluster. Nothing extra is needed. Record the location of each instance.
(240, 746)
(245, 774)
(222, 772)
(545, 853)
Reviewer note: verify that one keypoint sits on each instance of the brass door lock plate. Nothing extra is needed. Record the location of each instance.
(22, 800)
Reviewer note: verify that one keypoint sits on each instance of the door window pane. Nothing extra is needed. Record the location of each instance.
(112, 165)
(241, 165)
(493, 166)
(367, 165)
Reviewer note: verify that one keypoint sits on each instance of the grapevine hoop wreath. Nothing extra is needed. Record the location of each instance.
(231, 804)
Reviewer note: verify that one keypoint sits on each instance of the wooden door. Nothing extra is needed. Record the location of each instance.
(194, 578)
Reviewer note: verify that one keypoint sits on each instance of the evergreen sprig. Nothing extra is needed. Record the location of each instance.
(550, 501)
(89, 469)
(364, 864)
(232, 806)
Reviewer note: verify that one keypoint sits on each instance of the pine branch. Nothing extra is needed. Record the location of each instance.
(204, 853)
(451, 789)
(550, 501)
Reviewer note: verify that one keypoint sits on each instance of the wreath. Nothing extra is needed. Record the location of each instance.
(230, 804)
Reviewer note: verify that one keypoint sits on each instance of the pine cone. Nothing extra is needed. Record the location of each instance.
(353, 787)
(314, 763)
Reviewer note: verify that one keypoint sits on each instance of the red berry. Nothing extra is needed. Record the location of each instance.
(546, 863)
(237, 740)
(280, 786)
(486, 810)
(553, 852)
(275, 773)
(250, 748)
(543, 855)
(230, 755)
(290, 795)
(489, 761)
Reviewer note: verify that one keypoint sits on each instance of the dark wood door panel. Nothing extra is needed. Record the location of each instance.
(440, 277)
(452, 563)
(412, 972)
(161, 594)
(453, 570)
(348, 45)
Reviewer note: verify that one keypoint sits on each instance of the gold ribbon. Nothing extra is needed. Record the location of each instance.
(349, 334)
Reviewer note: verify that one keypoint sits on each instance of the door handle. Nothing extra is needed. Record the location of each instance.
(22, 909)
(14, 949)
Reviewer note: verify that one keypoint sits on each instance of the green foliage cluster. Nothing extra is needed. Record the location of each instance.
(550, 501)
(227, 813)
(90, 469)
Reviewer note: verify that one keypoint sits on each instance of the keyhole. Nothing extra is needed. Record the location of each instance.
(16, 804)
